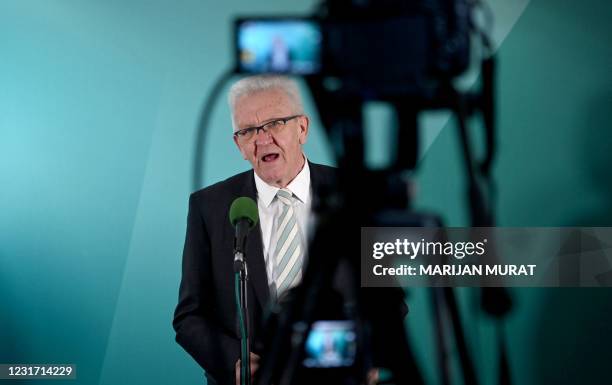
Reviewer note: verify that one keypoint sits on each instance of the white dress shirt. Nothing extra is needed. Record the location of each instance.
(270, 208)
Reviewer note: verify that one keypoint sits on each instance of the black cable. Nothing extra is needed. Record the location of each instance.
(467, 365)
(437, 299)
(200, 135)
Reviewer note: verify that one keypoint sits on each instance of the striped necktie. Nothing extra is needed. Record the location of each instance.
(288, 251)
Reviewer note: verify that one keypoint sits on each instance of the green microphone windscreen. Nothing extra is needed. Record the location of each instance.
(244, 207)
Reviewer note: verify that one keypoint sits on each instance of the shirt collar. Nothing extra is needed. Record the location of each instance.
(299, 186)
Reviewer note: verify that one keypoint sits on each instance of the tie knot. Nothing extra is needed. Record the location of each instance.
(285, 196)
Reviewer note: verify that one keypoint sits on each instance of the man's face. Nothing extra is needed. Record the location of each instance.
(276, 157)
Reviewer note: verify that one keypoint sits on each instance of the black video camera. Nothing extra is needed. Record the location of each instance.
(379, 48)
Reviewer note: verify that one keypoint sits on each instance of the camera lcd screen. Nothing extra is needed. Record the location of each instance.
(290, 46)
(330, 344)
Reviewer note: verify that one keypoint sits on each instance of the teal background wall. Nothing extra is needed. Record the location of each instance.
(98, 105)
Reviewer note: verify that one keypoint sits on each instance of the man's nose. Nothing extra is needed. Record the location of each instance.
(262, 137)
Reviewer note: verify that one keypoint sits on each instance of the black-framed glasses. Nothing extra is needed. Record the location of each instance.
(273, 126)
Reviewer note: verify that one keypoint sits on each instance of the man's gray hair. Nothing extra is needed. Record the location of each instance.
(253, 84)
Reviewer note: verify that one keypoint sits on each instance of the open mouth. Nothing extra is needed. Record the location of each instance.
(269, 157)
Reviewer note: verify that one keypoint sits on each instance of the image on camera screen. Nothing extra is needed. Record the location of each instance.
(278, 46)
(330, 344)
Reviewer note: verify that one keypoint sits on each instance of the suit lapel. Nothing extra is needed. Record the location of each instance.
(256, 263)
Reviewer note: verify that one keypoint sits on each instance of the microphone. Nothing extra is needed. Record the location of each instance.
(243, 216)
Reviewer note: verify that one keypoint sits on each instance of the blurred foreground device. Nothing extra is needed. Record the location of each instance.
(384, 48)
(407, 54)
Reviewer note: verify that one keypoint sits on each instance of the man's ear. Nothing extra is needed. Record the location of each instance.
(240, 148)
(304, 123)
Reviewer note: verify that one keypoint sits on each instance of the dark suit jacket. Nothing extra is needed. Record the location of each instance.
(205, 319)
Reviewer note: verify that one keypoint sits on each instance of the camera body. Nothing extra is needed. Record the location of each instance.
(378, 49)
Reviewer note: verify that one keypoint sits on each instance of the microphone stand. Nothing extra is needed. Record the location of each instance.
(241, 277)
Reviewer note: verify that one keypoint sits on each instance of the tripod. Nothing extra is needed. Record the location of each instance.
(380, 198)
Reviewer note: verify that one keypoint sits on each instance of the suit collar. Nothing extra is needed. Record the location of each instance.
(321, 177)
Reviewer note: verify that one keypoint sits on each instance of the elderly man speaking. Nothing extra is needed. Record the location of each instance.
(269, 129)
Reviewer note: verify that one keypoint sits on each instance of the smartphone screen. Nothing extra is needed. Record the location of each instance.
(291, 46)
